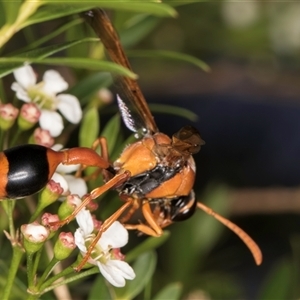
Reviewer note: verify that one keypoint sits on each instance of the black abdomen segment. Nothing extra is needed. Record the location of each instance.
(28, 170)
(144, 183)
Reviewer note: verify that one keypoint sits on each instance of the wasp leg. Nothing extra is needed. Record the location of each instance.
(237, 230)
(152, 228)
(134, 206)
(118, 179)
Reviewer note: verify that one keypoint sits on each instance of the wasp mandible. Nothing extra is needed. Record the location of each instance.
(155, 174)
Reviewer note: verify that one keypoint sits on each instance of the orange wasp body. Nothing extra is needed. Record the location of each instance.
(155, 174)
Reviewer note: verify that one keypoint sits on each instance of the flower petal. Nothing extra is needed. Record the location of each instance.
(85, 222)
(52, 121)
(25, 76)
(116, 236)
(111, 274)
(76, 185)
(70, 107)
(54, 82)
(116, 271)
(66, 169)
(79, 240)
(123, 268)
(57, 147)
(20, 92)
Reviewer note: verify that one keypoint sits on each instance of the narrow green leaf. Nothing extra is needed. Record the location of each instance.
(141, 26)
(50, 50)
(111, 132)
(150, 243)
(171, 291)
(51, 12)
(174, 110)
(144, 268)
(89, 129)
(57, 10)
(9, 64)
(170, 55)
(53, 34)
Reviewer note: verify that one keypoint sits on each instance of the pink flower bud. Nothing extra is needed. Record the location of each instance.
(54, 187)
(92, 206)
(64, 245)
(50, 221)
(67, 240)
(8, 111)
(68, 206)
(42, 137)
(30, 112)
(8, 115)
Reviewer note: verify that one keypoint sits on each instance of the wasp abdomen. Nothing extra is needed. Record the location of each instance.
(28, 170)
(182, 208)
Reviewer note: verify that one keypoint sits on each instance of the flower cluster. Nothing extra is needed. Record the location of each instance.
(45, 95)
(43, 100)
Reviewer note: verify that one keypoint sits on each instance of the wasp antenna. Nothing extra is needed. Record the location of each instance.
(253, 247)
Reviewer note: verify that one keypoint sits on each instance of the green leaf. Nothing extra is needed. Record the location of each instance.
(10, 11)
(278, 283)
(89, 129)
(170, 55)
(138, 27)
(53, 49)
(53, 34)
(101, 290)
(174, 110)
(171, 291)
(51, 12)
(150, 243)
(9, 64)
(56, 10)
(144, 268)
(111, 132)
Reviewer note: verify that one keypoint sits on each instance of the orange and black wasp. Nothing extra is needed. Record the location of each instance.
(156, 174)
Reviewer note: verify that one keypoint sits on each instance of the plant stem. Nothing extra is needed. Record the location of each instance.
(15, 261)
(47, 271)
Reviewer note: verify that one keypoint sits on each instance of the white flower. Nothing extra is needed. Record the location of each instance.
(69, 183)
(116, 236)
(44, 94)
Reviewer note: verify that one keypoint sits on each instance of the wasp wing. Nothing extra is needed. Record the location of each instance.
(128, 89)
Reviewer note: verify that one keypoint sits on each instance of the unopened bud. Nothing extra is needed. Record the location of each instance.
(68, 206)
(8, 115)
(34, 236)
(29, 116)
(50, 221)
(42, 137)
(64, 245)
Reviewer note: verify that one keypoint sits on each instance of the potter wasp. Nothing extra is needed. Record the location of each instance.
(155, 174)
